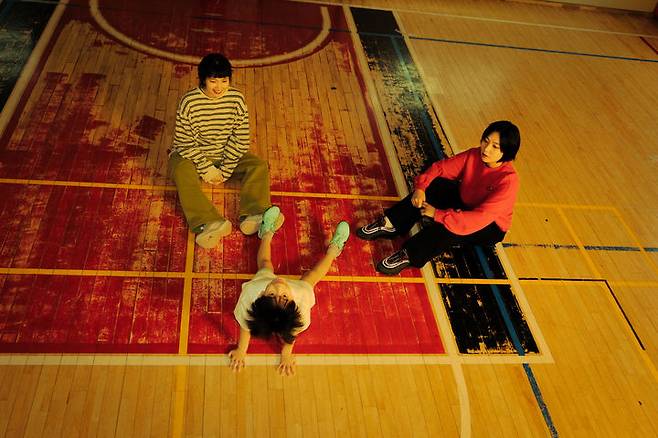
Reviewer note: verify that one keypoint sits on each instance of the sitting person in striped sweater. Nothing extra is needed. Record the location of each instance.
(211, 143)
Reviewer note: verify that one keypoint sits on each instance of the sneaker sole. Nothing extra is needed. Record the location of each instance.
(340, 238)
(249, 227)
(211, 239)
(376, 235)
(393, 270)
(278, 222)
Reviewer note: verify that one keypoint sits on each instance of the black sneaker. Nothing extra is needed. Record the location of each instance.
(376, 230)
(395, 263)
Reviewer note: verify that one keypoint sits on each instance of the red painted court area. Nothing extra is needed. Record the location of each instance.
(93, 256)
(349, 317)
(274, 27)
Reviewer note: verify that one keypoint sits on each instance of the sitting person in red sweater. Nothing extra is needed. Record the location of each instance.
(468, 198)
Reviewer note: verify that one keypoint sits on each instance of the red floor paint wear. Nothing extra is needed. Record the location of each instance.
(90, 228)
(246, 29)
(69, 314)
(348, 318)
(63, 138)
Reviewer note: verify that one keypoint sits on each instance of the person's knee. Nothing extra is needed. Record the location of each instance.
(258, 171)
(261, 167)
(183, 170)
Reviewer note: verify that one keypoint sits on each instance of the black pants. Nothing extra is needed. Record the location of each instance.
(434, 238)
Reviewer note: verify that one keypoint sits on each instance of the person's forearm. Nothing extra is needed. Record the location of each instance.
(243, 342)
(286, 350)
(264, 256)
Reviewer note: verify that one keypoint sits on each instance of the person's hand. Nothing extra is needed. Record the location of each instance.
(213, 176)
(427, 210)
(418, 198)
(287, 365)
(237, 359)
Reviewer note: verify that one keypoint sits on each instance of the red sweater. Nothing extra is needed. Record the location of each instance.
(488, 193)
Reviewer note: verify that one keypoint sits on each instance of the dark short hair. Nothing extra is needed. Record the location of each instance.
(214, 65)
(510, 138)
(267, 318)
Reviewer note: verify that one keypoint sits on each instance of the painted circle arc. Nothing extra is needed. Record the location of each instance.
(249, 32)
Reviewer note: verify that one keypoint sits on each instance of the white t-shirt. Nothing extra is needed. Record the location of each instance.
(302, 295)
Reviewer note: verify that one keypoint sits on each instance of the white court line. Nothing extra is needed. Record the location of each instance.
(434, 293)
(401, 186)
(141, 360)
(517, 290)
(521, 298)
(485, 19)
(189, 59)
(30, 67)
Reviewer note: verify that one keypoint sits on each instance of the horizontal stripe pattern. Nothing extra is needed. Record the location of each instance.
(212, 131)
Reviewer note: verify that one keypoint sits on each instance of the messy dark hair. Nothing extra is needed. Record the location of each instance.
(267, 319)
(214, 65)
(510, 138)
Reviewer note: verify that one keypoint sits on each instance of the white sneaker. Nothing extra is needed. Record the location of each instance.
(212, 232)
(251, 224)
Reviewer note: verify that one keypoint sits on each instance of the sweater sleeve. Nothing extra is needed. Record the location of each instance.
(498, 203)
(186, 145)
(449, 168)
(237, 144)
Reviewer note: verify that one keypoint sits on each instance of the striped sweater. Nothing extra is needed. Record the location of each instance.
(212, 131)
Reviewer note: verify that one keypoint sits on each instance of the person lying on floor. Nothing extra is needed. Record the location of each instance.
(271, 306)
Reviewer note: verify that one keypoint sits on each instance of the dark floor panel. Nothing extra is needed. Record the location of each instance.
(465, 262)
(21, 25)
(482, 324)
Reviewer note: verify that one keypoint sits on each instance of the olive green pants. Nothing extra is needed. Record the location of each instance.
(254, 178)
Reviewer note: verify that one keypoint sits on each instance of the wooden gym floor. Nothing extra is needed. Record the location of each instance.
(112, 323)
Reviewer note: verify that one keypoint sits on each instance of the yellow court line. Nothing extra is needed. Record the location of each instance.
(39, 182)
(179, 401)
(636, 240)
(622, 319)
(235, 276)
(205, 189)
(569, 206)
(579, 243)
(91, 273)
(187, 296)
(336, 196)
(276, 193)
(571, 281)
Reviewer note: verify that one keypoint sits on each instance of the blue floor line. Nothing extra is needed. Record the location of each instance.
(506, 46)
(587, 247)
(517, 343)
(533, 49)
(483, 261)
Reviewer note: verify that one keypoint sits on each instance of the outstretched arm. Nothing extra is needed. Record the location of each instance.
(288, 362)
(334, 249)
(321, 268)
(264, 256)
(238, 355)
